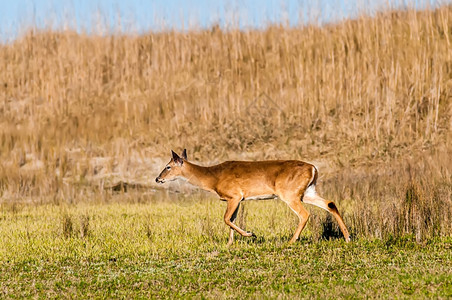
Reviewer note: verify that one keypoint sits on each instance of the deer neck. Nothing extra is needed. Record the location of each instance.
(199, 176)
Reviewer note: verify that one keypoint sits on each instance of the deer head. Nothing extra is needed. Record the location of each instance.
(173, 169)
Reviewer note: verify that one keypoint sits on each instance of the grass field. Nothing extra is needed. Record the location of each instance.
(88, 121)
(177, 249)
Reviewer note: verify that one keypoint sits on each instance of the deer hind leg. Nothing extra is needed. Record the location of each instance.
(233, 205)
(314, 199)
(231, 231)
(293, 201)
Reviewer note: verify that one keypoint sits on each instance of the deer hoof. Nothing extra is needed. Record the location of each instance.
(250, 234)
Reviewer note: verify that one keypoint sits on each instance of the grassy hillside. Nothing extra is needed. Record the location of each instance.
(367, 100)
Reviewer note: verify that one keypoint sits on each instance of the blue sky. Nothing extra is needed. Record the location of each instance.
(139, 16)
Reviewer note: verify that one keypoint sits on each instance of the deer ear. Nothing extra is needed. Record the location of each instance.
(176, 158)
(184, 154)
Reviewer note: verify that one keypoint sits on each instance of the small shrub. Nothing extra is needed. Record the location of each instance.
(84, 226)
(68, 225)
(242, 215)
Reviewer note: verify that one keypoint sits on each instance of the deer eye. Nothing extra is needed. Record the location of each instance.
(168, 167)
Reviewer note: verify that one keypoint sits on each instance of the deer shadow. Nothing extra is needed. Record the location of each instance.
(330, 230)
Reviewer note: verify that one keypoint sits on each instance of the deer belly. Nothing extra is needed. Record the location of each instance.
(262, 197)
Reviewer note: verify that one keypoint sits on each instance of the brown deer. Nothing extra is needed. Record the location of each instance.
(292, 181)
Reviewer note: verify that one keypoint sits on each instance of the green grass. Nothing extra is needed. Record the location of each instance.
(162, 248)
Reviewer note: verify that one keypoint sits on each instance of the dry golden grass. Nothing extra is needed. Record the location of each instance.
(367, 100)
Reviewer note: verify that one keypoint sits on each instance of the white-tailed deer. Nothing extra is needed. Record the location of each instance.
(292, 181)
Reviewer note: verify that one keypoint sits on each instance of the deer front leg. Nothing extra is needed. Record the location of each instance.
(233, 205)
(231, 231)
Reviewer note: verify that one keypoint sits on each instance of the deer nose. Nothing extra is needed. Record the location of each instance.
(157, 179)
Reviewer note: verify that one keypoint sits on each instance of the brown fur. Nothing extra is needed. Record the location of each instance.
(234, 181)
